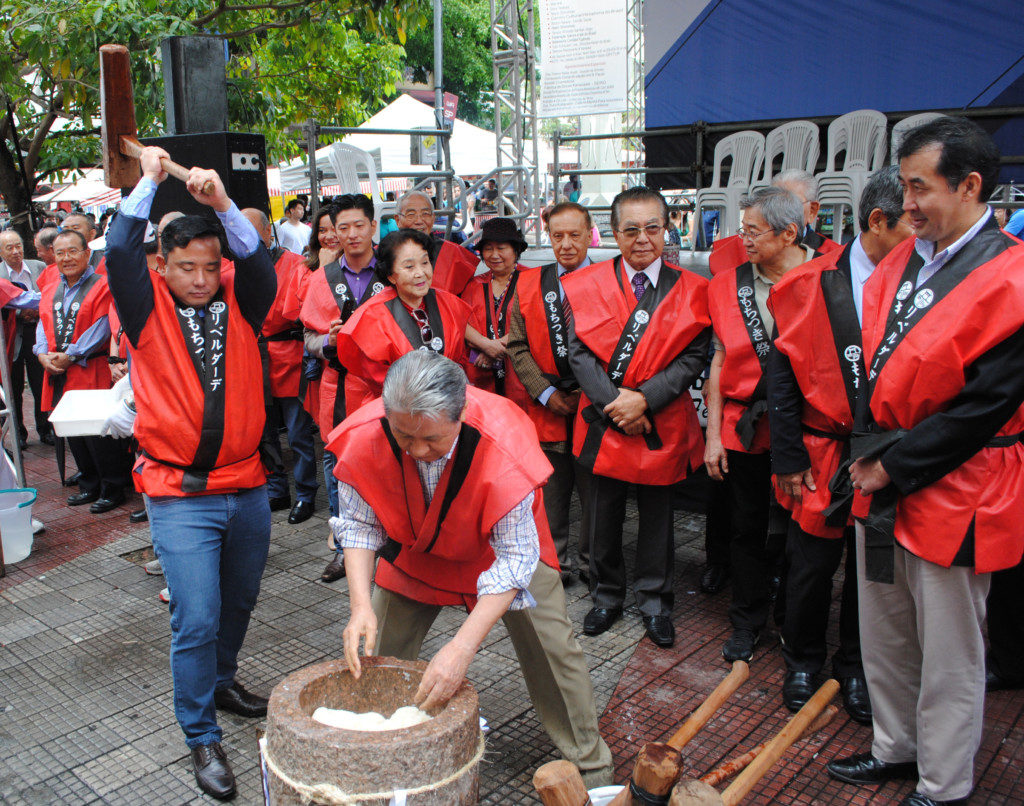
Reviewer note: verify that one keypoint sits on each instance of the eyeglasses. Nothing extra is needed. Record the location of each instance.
(652, 230)
(62, 253)
(426, 333)
(751, 235)
(417, 215)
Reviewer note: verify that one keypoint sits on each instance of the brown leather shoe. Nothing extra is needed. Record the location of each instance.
(335, 569)
(212, 771)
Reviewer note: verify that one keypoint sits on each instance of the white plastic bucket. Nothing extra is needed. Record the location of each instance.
(16, 523)
(604, 795)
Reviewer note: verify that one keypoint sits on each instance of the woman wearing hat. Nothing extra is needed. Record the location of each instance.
(407, 315)
(490, 296)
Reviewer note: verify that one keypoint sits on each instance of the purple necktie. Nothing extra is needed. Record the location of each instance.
(639, 285)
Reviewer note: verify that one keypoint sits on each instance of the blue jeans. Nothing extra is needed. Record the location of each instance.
(212, 549)
(300, 437)
(331, 483)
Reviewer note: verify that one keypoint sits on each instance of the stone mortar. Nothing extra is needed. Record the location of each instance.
(365, 761)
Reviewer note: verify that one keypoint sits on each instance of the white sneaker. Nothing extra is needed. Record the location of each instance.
(154, 569)
(165, 596)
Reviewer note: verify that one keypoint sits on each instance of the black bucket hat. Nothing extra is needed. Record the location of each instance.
(502, 230)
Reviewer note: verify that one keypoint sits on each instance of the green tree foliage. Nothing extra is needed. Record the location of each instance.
(289, 59)
(467, 57)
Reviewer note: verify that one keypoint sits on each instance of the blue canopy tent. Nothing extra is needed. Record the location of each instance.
(743, 61)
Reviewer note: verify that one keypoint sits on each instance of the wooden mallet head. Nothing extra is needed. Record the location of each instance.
(117, 117)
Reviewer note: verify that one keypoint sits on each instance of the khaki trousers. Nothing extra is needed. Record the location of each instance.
(924, 660)
(550, 657)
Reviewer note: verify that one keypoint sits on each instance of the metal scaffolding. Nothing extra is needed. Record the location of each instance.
(634, 119)
(513, 37)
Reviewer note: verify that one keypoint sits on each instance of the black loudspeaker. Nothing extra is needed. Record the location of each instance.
(195, 84)
(240, 159)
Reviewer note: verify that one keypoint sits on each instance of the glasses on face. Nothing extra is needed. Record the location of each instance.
(63, 253)
(750, 234)
(417, 215)
(652, 231)
(426, 333)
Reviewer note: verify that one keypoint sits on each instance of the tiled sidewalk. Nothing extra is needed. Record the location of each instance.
(85, 689)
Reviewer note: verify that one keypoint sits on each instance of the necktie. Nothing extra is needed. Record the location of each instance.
(639, 285)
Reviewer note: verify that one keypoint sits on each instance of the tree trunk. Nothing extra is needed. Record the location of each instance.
(17, 197)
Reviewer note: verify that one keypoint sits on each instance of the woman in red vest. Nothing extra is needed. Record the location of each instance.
(409, 316)
(490, 296)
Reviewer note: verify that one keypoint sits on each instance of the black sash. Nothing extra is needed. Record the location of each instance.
(911, 301)
(554, 315)
(465, 450)
(622, 357)
(334, 274)
(410, 327)
(497, 324)
(294, 333)
(206, 339)
(64, 324)
(760, 340)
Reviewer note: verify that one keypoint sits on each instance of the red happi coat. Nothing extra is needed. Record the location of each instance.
(925, 371)
(805, 337)
(454, 267)
(741, 369)
(9, 291)
(441, 559)
(602, 302)
(170, 400)
(282, 322)
(551, 427)
(96, 372)
(372, 340)
(479, 297)
(729, 253)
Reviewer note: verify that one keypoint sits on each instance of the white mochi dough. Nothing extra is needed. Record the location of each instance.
(404, 717)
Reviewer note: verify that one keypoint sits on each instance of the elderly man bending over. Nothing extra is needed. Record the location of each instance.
(445, 482)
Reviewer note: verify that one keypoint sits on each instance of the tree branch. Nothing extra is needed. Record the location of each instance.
(42, 130)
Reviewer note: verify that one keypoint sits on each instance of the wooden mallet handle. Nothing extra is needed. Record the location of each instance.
(699, 718)
(131, 147)
(777, 746)
(734, 765)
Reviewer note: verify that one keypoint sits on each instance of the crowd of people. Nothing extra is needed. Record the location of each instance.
(865, 400)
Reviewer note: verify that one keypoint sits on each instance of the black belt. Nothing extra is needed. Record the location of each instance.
(746, 426)
(817, 432)
(292, 334)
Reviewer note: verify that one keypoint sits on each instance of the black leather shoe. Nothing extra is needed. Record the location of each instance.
(302, 511)
(994, 682)
(107, 503)
(334, 571)
(237, 700)
(213, 773)
(72, 481)
(599, 619)
(277, 504)
(864, 768)
(47, 438)
(917, 799)
(797, 689)
(714, 578)
(78, 499)
(856, 700)
(741, 645)
(660, 630)
(138, 516)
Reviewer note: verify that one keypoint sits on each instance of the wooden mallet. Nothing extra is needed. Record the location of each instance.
(121, 147)
(659, 764)
(559, 783)
(698, 793)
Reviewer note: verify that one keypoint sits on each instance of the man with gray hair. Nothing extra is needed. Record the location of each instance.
(454, 265)
(737, 432)
(813, 397)
(445, 482)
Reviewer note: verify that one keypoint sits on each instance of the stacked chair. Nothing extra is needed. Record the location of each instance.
(746, 149)
(861, 137)
(796, 142)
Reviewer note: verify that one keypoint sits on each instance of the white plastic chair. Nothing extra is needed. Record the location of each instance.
(861, 135)
(797, 142)
(899, 131)
(746, 150)
(347, 162)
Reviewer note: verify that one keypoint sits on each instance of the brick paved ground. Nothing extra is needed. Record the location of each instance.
(85, 688)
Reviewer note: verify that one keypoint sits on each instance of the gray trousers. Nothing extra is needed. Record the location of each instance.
(924, 660)
(550, 657)
(557, 500)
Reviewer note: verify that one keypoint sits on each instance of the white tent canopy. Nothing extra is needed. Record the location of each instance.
(472, 148)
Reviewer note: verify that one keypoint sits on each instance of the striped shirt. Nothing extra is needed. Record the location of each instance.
(514, 537)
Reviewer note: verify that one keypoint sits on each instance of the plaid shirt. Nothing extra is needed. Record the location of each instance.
(514, 538)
